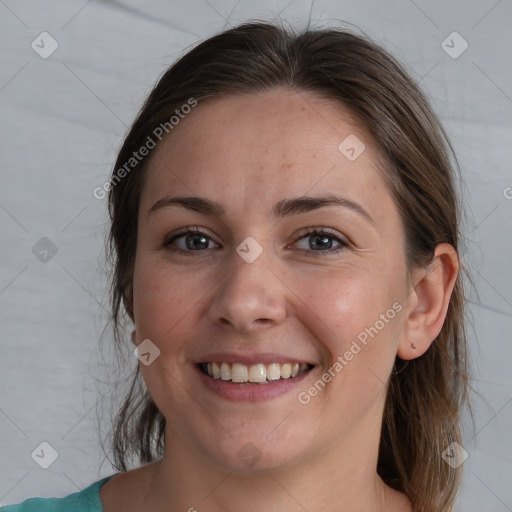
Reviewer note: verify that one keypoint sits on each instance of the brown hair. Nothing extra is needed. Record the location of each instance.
(425, 396)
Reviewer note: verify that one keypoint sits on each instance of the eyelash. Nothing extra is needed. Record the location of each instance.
(194, 230)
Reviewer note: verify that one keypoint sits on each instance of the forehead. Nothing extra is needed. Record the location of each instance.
(253, 150)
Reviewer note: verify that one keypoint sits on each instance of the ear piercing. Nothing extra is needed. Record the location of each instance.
(405, 363)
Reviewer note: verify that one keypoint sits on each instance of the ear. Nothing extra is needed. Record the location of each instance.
(134, 338)
(428, 302)
(128, 301)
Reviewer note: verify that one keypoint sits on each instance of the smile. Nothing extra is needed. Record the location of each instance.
(256, 373)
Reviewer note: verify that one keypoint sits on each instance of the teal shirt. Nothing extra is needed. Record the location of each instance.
(87, 500)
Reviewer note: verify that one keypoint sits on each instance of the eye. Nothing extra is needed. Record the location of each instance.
(320, 242)
(188, 240)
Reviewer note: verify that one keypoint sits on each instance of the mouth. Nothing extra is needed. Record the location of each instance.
(254, 374)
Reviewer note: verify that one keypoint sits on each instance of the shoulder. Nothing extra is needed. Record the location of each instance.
(126, 490)
(86, 500)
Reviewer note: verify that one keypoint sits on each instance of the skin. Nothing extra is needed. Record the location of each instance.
(247, 153)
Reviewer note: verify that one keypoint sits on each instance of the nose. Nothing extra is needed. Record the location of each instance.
(250, 297)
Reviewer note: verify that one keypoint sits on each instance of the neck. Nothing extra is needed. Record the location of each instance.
(342, 479)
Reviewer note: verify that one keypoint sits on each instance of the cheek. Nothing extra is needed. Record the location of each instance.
(165, 306)
(165, 299)
(355, 315)
(344, 304)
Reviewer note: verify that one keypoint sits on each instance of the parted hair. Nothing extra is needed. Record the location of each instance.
(426, 395)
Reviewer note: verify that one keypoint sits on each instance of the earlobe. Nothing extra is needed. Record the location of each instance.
(134, 337)
(429, 302)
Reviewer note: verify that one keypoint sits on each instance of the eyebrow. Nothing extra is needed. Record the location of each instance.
(283, 208)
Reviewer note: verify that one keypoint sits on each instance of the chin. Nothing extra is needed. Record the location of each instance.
(250, 454)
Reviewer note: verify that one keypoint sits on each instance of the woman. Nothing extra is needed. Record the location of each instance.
(284, 239)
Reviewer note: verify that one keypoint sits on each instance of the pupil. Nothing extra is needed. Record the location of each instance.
(325, 240)
(195, 244)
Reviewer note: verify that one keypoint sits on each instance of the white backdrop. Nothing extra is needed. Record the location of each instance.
(63, 117)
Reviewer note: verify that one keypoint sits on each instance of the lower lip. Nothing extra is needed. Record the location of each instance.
(251, 392)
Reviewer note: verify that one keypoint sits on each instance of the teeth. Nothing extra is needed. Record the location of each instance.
(237, 372)
(273, 371)
(225, 371)
(257, 373)
(286, 370)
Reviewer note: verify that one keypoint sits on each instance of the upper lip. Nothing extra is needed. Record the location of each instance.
(250, 359)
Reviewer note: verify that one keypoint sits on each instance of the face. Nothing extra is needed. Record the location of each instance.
(254, 278)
